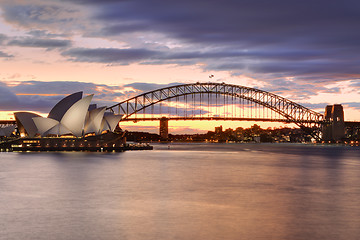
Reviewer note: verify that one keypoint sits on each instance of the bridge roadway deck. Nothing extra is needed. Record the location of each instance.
(3, 122)
(214, 119)
(352, 124)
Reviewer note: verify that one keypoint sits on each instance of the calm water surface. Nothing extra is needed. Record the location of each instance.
(187, 191)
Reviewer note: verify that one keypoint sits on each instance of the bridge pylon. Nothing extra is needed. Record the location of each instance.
(334, 126)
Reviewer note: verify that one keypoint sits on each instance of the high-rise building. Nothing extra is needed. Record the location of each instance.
(164, 128)
(218, 130)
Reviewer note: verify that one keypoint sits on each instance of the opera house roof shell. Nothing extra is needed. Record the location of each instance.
(70, 116)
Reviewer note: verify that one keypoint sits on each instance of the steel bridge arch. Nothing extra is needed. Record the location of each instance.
(291, 111)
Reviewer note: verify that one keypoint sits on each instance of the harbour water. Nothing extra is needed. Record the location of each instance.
(183, 191)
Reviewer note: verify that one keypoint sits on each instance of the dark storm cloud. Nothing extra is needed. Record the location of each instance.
(103, 93)
(96, 2)
(355, 84)
(333, 90)
(39, 43)
(3, 37)
(292, 89)
(6, 96)
(5, 55)
(26, 15)
(9, 101)
(317, 42)
(37, 39)
(109, 55)
(125, 28)
(186, 57)
(57, 87)
(44, 34)
(279, 62)
(355, 105)
(314, 105)
(42, 96)
(244, 22)
(266, 54)
(279, 37)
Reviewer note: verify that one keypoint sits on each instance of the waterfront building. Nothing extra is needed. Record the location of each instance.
(72, 116)
(218, 130)
(72, 124)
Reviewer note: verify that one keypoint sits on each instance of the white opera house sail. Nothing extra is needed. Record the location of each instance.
(72, 116)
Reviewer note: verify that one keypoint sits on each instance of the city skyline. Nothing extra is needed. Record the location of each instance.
(305, 51)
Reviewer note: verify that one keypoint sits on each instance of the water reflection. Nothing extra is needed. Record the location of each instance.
(200, 191)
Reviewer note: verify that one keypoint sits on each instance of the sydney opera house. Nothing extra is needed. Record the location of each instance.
(72, 124)
(73, 115)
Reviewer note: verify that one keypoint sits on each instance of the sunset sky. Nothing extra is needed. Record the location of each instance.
(306, 51)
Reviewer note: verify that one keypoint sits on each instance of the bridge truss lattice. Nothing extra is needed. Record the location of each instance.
(217, 101)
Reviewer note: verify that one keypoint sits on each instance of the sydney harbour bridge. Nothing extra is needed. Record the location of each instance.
(228, 102)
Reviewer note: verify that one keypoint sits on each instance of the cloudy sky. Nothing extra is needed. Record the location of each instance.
(307, 51)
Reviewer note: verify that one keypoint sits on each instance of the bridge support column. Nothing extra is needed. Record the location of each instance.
(164, 129)
(335, 130)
